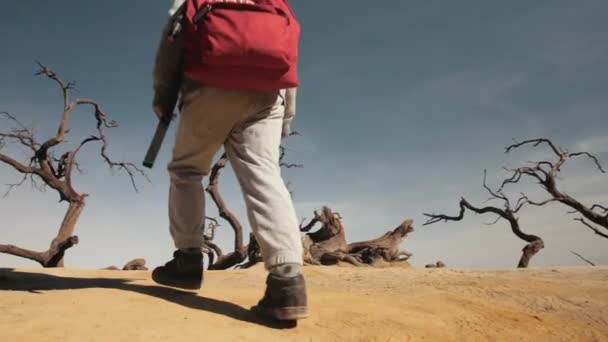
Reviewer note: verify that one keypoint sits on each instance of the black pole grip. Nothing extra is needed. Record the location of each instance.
(157, 141)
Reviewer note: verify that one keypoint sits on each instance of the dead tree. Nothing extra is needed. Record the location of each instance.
(57, 172)
(508, 213)
(546, 173)
(328, 246)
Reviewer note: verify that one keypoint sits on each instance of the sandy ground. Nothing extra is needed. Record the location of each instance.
(347, 304)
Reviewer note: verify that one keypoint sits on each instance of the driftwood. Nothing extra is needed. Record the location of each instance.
(328, 246)
(508, 213)
(438, 264)
(135, 265)
(57, 172)
(325, 246)
(591, 263)
(111, 268)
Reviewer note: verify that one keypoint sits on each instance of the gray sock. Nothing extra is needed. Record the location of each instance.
(287, 270)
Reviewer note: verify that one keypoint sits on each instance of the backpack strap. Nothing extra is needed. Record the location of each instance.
(176, 22)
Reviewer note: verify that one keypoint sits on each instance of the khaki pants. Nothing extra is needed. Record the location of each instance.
(248, 124)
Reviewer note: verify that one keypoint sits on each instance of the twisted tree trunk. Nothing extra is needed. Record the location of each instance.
(68, 225)
(529, 251)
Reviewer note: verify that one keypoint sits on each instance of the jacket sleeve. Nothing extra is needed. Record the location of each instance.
(290, 108)
(168, 69)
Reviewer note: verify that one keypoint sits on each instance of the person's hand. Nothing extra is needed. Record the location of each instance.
(285, 132)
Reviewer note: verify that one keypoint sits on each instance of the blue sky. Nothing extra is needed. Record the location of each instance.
(402, 106)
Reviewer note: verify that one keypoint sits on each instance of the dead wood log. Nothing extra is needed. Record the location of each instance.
(385, 248)
(111, 268)
(135, 265)
(328, 246)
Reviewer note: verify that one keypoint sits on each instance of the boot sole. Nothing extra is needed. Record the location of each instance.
(291, 313)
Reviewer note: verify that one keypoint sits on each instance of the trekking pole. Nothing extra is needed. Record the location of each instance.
(157, 140)
(161, 130)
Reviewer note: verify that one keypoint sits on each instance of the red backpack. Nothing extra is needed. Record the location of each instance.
(241, 44)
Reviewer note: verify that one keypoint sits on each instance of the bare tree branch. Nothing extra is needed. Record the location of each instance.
(16, 165)
(583, 258)
(601, 207)
(308, 227)
(548, 179)
(535, 142)
(22, 138)
(493, 222)
(282, 156)
(497, 194)
(65, 87)
(291, 166)
(595, 230)
(592, 157)
(23, 134)
(523, 200)
(14, 185)
(209, 234)
(21, 252)
(212, 251)
(102, 122)
(48, 258)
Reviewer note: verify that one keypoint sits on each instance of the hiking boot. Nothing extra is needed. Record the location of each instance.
(285, 298)
(184, 271)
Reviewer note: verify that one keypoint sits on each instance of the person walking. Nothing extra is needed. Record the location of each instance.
(234, 65)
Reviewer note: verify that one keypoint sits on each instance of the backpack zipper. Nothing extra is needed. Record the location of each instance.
(201, 12)
(208, 7)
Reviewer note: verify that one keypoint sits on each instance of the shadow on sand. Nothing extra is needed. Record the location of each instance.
(12, 280)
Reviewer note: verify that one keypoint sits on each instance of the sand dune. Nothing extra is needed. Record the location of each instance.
(347, 304)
